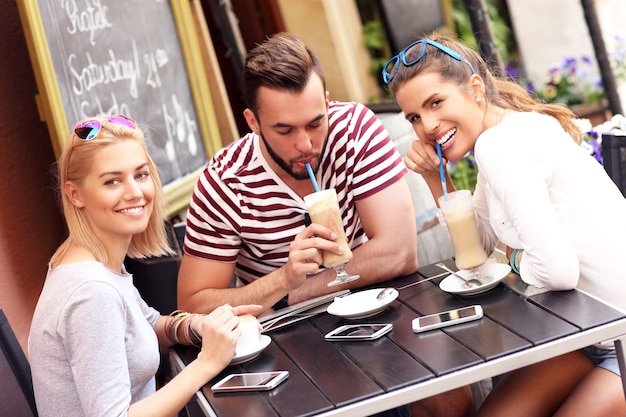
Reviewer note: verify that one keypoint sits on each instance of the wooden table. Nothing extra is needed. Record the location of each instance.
(520, 327)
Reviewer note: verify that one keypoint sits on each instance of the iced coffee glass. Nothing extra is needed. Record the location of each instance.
(458, 213)
(323, 209)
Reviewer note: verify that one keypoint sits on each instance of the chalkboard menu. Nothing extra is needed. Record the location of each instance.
(95, 58)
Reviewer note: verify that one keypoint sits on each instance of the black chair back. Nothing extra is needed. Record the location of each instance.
(614, 155)
(16, 388)
(156, 278)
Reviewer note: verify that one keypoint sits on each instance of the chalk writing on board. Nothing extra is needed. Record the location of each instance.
(113, 57)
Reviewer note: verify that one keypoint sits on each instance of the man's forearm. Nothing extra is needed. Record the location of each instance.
(265, 291)
(377, 261)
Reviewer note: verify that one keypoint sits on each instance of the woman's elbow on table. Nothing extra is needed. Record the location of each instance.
(557, 278)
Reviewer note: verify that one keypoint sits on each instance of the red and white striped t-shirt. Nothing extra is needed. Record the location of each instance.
(242, 212)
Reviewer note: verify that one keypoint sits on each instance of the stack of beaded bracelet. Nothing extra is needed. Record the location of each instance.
(516, 255)
(180, 318)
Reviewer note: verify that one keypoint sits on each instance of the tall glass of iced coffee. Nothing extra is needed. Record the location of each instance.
(323, 209)
(458, 213)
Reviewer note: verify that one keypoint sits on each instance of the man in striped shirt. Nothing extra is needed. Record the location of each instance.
(246, 218)
(247, 214)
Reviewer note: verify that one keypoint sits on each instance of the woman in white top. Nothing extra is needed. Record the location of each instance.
(539, 192)
(94, 343)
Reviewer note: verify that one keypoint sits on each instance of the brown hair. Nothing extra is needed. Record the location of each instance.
(499, 91)
(74, 164)
(282, 62)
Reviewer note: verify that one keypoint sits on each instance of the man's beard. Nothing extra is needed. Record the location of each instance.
(286, 165)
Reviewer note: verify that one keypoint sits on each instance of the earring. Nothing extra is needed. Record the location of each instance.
(478, 98)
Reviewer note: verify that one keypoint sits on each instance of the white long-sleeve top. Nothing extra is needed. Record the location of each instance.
(539, 191)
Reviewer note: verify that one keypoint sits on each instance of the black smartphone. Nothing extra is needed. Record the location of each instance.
(351, 332)
(251, 381)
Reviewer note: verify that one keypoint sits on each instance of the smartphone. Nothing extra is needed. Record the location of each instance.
(252, 381)
(359, 332)
(447, 318)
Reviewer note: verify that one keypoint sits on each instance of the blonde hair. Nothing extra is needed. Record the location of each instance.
(74, 165)
(499, 91)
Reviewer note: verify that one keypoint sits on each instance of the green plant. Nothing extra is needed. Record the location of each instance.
(570, 83)
(618, 59)
(374, 40)
(464, 173)
(500, 24)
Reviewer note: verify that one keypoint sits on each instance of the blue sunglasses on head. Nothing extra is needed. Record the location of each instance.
(89, 129)
(391, 68)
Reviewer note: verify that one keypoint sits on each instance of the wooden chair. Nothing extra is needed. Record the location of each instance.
(16, 389)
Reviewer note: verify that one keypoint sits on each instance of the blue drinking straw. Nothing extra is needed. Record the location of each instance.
(312, 175)
(443, 177)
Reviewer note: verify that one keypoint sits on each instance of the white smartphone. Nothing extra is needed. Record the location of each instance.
(252, 381)
(447, 318)
(350, 332)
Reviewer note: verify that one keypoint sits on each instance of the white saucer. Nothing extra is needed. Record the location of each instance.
(242, 357)
(454, 285)
(361, 304)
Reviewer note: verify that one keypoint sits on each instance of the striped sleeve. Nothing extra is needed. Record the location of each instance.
(373, 159)
(212, 216)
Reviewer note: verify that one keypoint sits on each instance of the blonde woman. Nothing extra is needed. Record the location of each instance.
(94, 343)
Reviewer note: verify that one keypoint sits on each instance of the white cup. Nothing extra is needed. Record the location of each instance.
(250, 334)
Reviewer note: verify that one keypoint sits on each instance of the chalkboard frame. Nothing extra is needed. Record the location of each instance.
(52, 109)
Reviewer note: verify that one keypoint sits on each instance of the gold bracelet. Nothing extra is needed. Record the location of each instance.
(198, 341)
(178, 317)
(170, 326)
(166, 328)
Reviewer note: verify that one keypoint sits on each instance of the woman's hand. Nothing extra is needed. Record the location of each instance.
(422, 158)
(220, 333)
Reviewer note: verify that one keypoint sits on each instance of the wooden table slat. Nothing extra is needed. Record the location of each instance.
(477, 336)
(340, 379)
(229, 402)
(278, 401)
(310, 400)
(436, 350)
(487, 338)
(524, 319)
(382, 359)
(577, 308)
(430, 270)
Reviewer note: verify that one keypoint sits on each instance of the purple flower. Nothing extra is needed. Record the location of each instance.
(593, 144)
(530, 87)
(554, 71)
(596, 150)
(512, 72)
